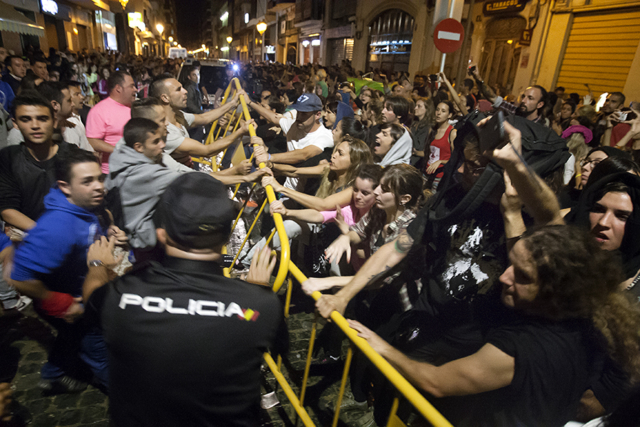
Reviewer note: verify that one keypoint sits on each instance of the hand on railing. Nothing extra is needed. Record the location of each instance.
(278, 207)
(377, 343)
(330, 303)
(260, 173)
(314, 284)
(236, 99)
(270, 180)
(244, 126)
(256, 140)
(260, 153)
(243, 168)
(223, 121)
(261, 268)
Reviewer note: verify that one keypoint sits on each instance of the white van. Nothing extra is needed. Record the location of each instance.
(176, 52)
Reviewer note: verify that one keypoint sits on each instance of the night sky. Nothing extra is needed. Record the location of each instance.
(188, 15)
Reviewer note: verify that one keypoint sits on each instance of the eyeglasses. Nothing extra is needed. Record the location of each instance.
(585, 162)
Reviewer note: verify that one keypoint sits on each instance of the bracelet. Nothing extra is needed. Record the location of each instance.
(269, 156)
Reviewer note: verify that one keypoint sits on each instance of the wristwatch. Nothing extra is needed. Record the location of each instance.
(95, 263)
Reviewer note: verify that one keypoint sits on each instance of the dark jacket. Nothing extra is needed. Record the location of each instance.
(24, 181)
(194, 98)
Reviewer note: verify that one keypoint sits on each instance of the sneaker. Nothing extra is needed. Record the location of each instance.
(327, 360)
(23, 302)
(64, 384)
(348, 404)
(16, 303)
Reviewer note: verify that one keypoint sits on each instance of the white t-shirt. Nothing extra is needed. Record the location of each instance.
(177, 134)
(78, 134)
(321, 138)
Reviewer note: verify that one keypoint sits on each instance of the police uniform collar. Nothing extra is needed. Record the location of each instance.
(191, 265)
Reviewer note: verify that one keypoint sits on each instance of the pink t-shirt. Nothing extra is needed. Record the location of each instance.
(347, 214)
(106, 122)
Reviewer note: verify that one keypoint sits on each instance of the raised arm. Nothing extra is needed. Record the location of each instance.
(292, 171)
(213, 115)
(290, 157)
(384, 259)
(463, 108)
(328, 203)
(269, 115)
(239, 179)
(485, 90)
(306, 215)
(534, 193)
(488, 369)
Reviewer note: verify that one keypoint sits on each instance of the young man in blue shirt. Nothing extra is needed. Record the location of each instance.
(51, 264)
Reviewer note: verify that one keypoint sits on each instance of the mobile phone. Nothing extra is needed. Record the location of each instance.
(472, 70)
(622, 116)
(492, 135)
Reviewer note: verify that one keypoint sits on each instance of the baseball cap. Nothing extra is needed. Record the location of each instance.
(196, 211)
(307, 102)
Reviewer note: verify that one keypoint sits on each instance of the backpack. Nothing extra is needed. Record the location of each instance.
(542, 149)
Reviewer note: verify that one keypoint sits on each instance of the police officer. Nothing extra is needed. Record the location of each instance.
(185, 343)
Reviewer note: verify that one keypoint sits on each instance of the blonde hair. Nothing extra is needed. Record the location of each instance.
(577, 146)
(359, 154)
(588, 111)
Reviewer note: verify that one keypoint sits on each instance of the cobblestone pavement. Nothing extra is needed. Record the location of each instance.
(23, 350)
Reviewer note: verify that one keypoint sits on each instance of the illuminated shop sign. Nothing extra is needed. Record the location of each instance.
(49, 6)
(496, 7)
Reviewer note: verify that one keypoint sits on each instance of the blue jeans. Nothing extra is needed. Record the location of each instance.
(75, 349)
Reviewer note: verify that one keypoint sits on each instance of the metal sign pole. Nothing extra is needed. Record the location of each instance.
(452, 3)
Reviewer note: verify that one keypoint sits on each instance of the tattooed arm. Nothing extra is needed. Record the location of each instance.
(387, 257)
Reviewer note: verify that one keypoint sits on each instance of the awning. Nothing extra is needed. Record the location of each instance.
(147, 34)
(14, 21)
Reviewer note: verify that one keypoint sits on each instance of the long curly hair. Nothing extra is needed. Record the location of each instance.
(359, 154)
(579, 280)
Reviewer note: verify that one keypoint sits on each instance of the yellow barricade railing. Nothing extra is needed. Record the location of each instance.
(287, 266)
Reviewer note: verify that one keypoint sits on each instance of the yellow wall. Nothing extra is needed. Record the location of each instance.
(552, 50)
(632, 87)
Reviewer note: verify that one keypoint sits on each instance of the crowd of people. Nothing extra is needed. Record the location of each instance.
(487, 249)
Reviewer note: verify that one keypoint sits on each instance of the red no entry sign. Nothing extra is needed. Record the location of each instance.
(448, 35)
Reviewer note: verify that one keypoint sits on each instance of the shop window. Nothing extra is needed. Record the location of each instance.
(390, 38)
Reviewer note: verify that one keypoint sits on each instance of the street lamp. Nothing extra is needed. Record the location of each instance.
(170, 39)
(229, 39)
(204, 46)
(261, 27)
(160, 28)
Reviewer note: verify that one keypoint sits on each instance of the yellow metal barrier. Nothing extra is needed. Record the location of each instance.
(286, 266)
(399, 382)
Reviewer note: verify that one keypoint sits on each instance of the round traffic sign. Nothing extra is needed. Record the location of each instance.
(448, 35)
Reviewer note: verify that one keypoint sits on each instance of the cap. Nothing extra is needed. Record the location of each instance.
(585, 131)
(307, 102)
(196, 211)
